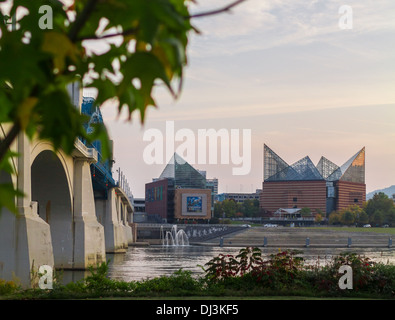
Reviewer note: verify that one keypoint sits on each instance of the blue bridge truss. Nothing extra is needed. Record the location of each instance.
(102, 176)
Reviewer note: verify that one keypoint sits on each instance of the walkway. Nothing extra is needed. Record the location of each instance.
(283, 237)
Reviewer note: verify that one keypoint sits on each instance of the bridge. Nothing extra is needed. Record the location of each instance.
(73, 211)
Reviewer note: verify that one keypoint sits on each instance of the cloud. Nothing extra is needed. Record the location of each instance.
(261, 25)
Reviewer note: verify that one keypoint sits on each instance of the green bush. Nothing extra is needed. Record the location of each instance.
(8, 287)
(286, 272)
(180, 283)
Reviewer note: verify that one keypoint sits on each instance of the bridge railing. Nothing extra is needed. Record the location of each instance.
(123, 183)
(102, 166)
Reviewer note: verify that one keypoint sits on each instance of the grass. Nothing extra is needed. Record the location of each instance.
(233, 298)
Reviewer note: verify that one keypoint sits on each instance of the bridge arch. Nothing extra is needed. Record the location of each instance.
(50, 187)
(67, 162)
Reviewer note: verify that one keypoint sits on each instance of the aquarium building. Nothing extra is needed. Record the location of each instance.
(323, 188)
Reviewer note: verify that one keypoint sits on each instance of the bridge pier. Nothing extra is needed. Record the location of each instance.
(25, 239)
(25, 245)
(108, 211)
(89, 243)
(125, 216)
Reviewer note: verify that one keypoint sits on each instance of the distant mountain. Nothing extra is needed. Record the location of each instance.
(388, 191)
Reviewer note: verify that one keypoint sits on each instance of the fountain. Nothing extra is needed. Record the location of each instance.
(174, 237)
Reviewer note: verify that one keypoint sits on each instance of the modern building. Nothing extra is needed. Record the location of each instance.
(159, 200)
(323, 188)
(138, 204)
(180, 192)
(139, 214)
(213, 185)
(240, 197)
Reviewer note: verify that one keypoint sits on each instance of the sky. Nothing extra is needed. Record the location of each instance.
(286, 72)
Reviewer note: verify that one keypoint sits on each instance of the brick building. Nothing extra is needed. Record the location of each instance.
(323, 188)
(180, 192)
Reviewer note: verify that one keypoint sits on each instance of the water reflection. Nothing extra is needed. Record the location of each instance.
(155, 261)
(139, 263)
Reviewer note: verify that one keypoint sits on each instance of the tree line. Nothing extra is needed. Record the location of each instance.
(378, 211)
(232, 209)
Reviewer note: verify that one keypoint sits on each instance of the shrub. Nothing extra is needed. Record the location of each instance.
(383, 279)
(179, 283)
(280, 270)
(286, 272)
(8, 287)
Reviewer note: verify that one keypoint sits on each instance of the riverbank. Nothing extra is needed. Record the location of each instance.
(314, 237)
(283, 274)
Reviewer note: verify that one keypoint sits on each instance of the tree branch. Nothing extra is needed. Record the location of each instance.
(217, 11)
(134, 30)
(111, 35)
(81, 19)
(9, 139)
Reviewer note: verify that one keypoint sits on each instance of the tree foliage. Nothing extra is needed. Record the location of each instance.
(380, 209)
(230, 208)
(377, 211)
(38, 62)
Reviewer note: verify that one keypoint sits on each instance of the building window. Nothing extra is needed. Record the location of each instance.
(295, 207)
(295, 199)
(355, 200)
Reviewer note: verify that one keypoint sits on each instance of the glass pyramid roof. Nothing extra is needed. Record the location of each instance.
(353, 170)
(276, 169)
(307, 170)
(184, 175)
(303, 169)
(273, 163)
(326, 167)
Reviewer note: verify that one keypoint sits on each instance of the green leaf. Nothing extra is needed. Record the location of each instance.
(60, 121)
(60, 47)
(146, 67)
(8, 196)
(6, 106)
(166, 13)
(105, 90)
(100, 133)
(6, 164)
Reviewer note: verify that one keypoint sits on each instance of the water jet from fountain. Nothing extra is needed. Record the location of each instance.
(174, 237)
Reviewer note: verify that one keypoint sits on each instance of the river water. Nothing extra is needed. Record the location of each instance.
(140, 263)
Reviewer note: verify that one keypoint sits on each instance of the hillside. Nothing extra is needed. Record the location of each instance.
(388, 191)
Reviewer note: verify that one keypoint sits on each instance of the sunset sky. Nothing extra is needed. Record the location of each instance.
(286, 71)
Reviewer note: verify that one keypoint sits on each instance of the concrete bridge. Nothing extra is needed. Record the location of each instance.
(66, 219)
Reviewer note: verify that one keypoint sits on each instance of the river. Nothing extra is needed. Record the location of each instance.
(148, 262)
(140, 263)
